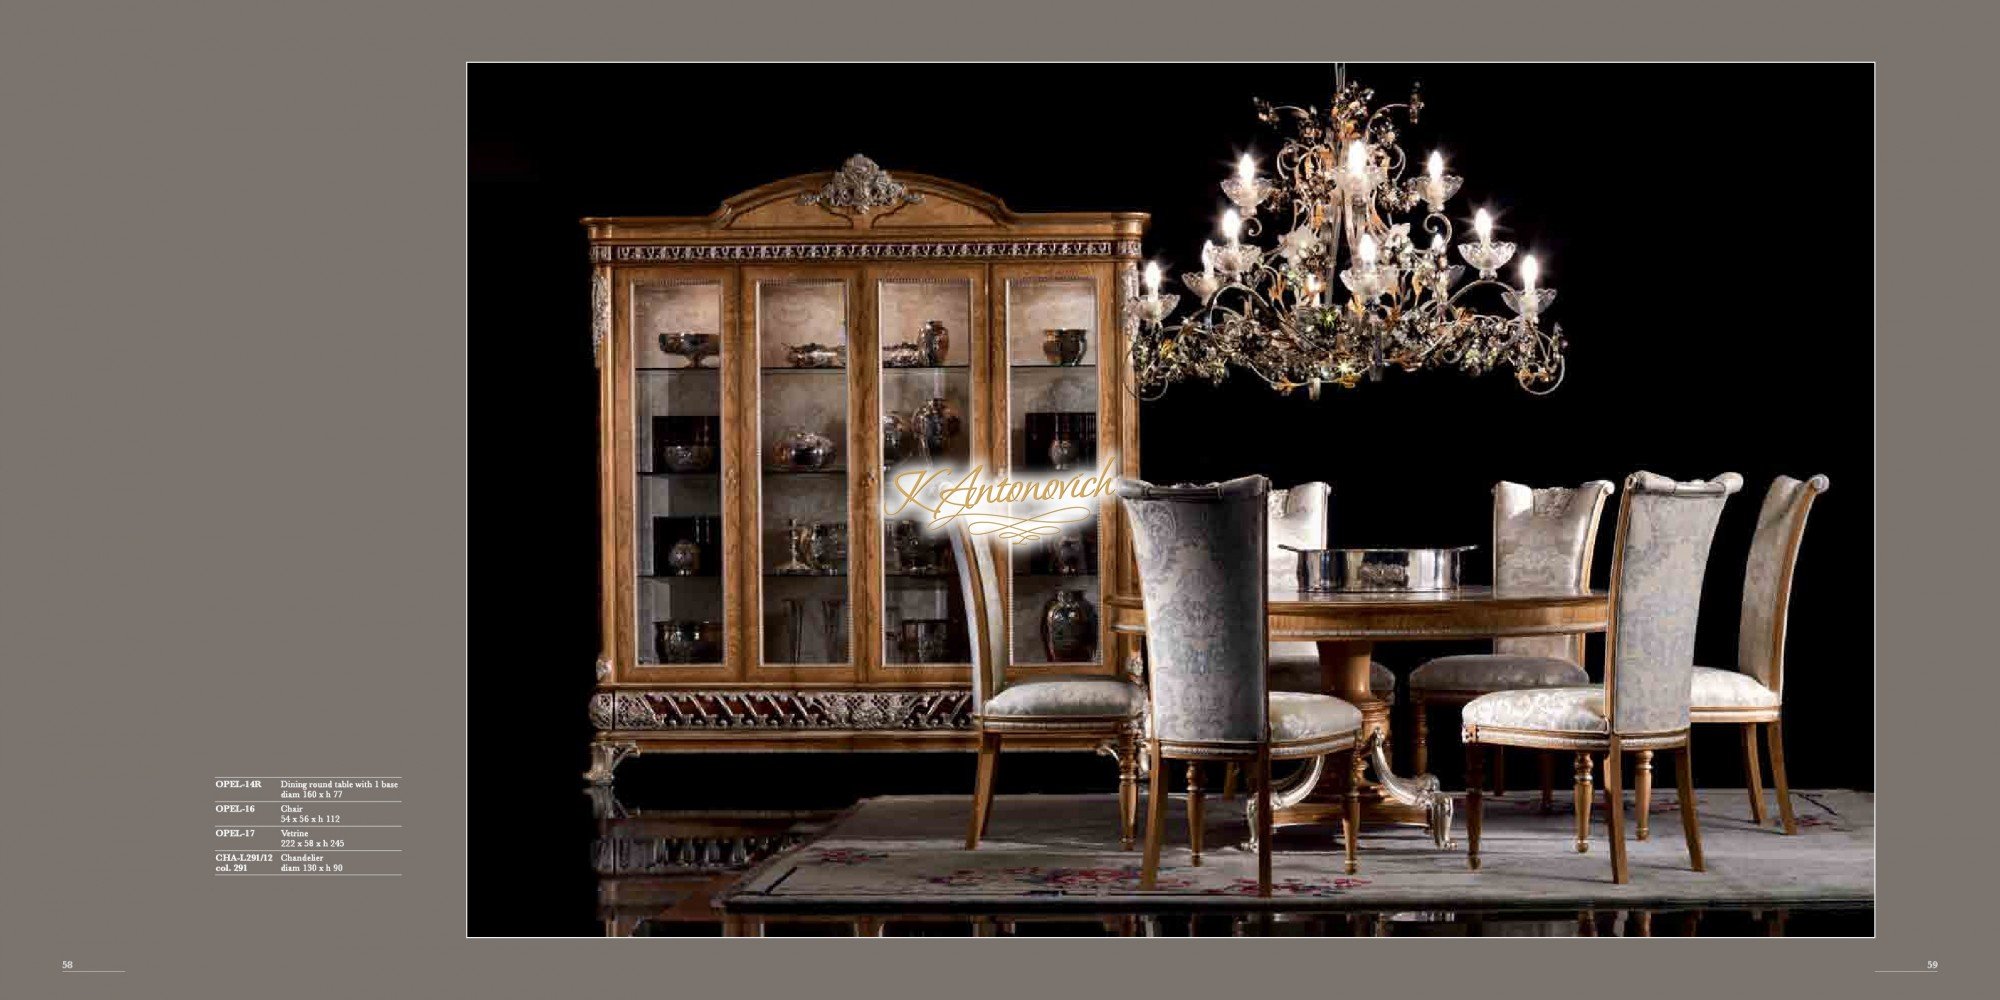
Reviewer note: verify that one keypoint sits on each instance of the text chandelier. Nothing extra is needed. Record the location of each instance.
(1283, 314)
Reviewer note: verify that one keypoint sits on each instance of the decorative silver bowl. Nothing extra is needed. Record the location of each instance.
(800, 450)
(687, 457)
(1331, 571)
(691, 345)
(816, 355)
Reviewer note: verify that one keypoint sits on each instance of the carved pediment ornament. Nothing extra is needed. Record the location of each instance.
(860, 186)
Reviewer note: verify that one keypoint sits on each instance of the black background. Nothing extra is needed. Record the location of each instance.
(1708, 227)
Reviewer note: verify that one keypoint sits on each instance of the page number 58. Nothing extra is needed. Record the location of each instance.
(68, 965)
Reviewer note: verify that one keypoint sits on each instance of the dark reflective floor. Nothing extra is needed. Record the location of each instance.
(658, 871)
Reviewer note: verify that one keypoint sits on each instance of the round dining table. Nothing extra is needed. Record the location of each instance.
(1347, 625)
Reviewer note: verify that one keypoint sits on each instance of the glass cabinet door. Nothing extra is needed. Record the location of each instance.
(1051, 343)
(925, 328)
(678, 353)
(801, 333)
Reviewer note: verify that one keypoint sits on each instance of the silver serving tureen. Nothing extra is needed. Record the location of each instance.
(1326, 571)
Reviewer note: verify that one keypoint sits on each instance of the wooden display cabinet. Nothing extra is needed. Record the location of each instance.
(755, 596)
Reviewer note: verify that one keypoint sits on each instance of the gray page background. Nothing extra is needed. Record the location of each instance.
(235, 345)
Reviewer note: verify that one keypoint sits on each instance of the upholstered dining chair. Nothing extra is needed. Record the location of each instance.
(1092, 712)
(1665, 529)
(1201, 554)
(1542, 540)
(1300, 517)
(1754, 692)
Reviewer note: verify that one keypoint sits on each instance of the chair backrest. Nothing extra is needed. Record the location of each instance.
(1543, 540)
(1298, 519)
(1201, 558)
(1665, 529)
(985, 617)
(1767, 579)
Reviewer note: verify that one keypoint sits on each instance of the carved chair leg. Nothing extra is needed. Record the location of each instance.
(1194, 811)
(1642, 790)
(1263, 780)
(1128, 788)
(1754, 775)
(1499, 772)
(982, 791)
(1230, 771)
(1548, 763)
(1581, 794)
(1776, 738)
(1156, 815)
(1422, 726)
(1684, 789)
(1614, 812)
(1475, 806)
(1357, 763)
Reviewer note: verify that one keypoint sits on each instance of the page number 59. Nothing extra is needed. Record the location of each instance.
(1932, 964)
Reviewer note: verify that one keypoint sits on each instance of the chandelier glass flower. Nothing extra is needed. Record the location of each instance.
(1347, 289)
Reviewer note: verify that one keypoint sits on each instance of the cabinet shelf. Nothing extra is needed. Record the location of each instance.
(678, 576)
(1020, 366)
(914, 369)
(676, 370)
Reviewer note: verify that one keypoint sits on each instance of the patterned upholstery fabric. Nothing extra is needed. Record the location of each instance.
(1665, 529)
(1495, 672)
(1767, 578)
(1730, 689)
(1201, 558)
(1554, 710)
(1299, 716)
(1295, 667)
(1068, 696)
(1542, 541)
(1298, 519)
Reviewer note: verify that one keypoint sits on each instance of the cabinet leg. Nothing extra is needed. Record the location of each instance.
(605, 756)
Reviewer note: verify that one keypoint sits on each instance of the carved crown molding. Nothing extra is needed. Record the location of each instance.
(621, 253)
(876, 711)
(860, 186)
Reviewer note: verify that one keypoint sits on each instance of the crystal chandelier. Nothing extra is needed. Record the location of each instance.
(1347, 290)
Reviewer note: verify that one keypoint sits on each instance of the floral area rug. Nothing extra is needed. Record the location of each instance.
(907, 853)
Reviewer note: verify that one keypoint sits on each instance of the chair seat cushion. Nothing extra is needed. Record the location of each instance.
(1067, 697)
(1496, 672)
(1297, 715)
(1554, 710)
(1295, 667)
(1730, 689)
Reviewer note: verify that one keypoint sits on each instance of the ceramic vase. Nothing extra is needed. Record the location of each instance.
(1069, 627)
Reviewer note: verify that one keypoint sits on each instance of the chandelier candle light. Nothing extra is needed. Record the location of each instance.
(1282, 314)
